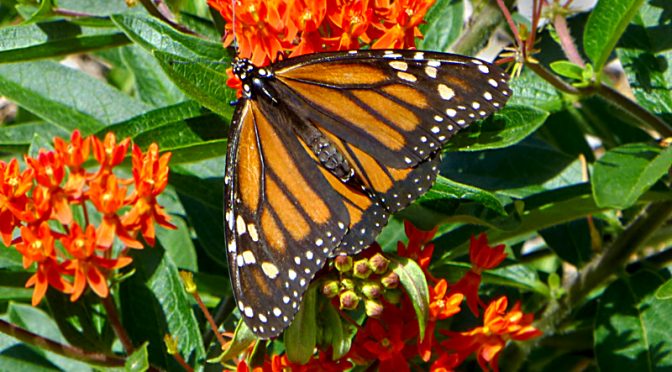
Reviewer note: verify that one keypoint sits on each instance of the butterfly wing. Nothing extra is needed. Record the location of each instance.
(389, 113)
(290, 200)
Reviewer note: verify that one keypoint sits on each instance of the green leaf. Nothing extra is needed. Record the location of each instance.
(665, 291)
(510, 126)
(153, 303)
(337, 332)
(139, 360)
(606, 24)
(567, 69)
(646, 56)
(151, 83)
(43, 11)
(13, 283)
(17, 137)
(532, 91)
(178, 244)
(632, 327)
(570, 241)
(83, 323)
(66, 97)
(509, 275)
(54, 38)
(443, 25)
(38, 322)
(242, 338)
(153, 35)
(413, 280)
(301, 336)
(203, 80)
(624, 173)
(446, 190)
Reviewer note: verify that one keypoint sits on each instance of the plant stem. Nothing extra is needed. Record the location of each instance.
(566, 40)
(602, 267)
(483, 22)
(113, 316)
(68, 351)
(160, 10)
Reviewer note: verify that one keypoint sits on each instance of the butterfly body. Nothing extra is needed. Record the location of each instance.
(323, 148)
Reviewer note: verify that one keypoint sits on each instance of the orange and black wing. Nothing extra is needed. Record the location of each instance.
(389, 113)
(323, 148)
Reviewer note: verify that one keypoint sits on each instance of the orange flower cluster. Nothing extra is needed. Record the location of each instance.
(40, 201)
(391, 339)
(267, 29)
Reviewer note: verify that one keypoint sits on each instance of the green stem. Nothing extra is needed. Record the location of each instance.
(160, 10)
(119, 330)
(486, 18)
(67, 351)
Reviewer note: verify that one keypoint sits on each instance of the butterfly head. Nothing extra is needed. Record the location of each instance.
(253, 78)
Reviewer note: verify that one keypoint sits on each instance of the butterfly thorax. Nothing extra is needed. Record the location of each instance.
(253, 79)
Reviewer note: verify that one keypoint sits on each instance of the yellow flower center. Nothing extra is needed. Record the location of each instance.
(385, 342)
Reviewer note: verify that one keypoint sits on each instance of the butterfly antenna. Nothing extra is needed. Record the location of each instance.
(233, 25)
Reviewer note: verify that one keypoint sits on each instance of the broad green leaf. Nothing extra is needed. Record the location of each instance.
(606, 24)
(624, 173)
(66, 97)
(632, 327)
(151, 120)
(510, 126)
(508, 275)
(153, 35)
(178, 244)
(13, 283)
(570, 241)
(203, 80)
(151, 83)
(19, 357)
(518, 171)
(413, 280)
(43, 10)
(17, 137)
(153, 302)
(54, 38)
(646, 55)
(446, 190)
(84, 322)
(38, 322)
(301, 336)
(391, 234)
(532, 91)
(443, 25)
(98, 8)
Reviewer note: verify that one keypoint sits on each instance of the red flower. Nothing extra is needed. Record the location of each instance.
(37, 246)
(74, 154)
(418, 249)
(85, 265)
(489, 340)
(482, 257)
(446, 362)
(441, 306)
(13, 188)
(150, 173)
(399, 27)
(350, 20)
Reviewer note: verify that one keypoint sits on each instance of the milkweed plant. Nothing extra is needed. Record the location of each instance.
(543, 245)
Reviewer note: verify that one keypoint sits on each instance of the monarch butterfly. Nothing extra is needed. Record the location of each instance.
(323, 148)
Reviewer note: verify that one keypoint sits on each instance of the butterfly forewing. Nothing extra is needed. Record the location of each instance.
(323, 148)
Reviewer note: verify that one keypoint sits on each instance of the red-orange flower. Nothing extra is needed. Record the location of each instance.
(483, 257)
(108, 197)
(441, 306)
(85, 265)
(108, 153)
(351, 21)
(418, 249)
(498, 328)
(446, 362)
(49, 172)
(13, 188)
(399, 28)
(74, 153)
(150, 173)
(37, 246)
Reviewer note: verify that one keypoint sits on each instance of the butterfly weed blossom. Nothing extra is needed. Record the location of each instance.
(73, 254)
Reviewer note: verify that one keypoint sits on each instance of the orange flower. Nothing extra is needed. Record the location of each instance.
(441, 305)
(400, 26)
(37, 208)
(85, 265)
(446, 362)
(74, 154)
(13, 188)
(150, 173)
(350, 19)
(108, 197)
(483, 257)
(49, 172)
(108, 153)
(260, 29)
(489, 340)
(37, 245)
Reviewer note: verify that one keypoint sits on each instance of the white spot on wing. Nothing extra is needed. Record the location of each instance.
(248, 257)
(399, 65)
(269, 269)
(445, 92)
(431, 71)
(406, 76)
(240, 225)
